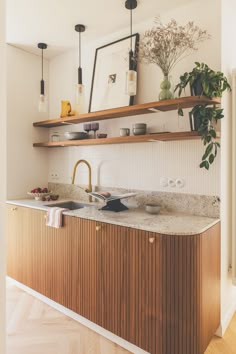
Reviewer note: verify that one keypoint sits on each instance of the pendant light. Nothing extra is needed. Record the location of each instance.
(79, 89)
(131, 75)
(42, 98)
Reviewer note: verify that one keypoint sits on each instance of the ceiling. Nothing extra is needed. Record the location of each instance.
(53, 21)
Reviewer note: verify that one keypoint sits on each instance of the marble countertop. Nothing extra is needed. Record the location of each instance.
(167, 223)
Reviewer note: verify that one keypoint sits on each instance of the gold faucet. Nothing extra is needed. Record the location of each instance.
(89, 189)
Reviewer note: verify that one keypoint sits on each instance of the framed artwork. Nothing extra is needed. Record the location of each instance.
(109, 75)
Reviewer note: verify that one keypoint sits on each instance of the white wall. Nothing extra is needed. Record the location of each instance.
(27, 167)
(138, 166)
(228, 292)
(2, 176)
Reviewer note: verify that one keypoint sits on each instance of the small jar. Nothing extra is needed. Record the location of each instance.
(55, 137)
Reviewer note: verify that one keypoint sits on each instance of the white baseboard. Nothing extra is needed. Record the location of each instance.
(103, 332)
(226, 320)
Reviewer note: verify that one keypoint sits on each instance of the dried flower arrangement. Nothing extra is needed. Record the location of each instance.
(166, 44)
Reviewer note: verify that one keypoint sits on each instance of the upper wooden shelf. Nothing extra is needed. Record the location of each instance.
(163, 106)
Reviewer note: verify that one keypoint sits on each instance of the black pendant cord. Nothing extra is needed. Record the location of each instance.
(80, 68)
(80, 49)
(42, 81)
(131, 30)
(131, 59)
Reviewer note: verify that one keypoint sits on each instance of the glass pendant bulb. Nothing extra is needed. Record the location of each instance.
(43, 104)
(79, 98)
(131, 82)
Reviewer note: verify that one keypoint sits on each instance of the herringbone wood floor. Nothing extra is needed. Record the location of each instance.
(225, 345)
(35, 328)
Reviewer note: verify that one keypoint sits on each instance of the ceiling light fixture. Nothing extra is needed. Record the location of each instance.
(79, 90)
(131, 75)
(42, 98)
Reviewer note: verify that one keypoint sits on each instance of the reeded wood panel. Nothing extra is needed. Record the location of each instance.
(39, 256)
(210, 285)
(85, 271)
(112, 277)
(56, 261)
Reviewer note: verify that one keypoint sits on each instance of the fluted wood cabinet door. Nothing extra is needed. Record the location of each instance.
(39, 256)
(143, 262)
(85, 271)
(18, 266)
(56, 262)
(112, 277)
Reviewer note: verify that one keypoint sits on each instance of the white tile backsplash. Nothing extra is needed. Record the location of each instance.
(139, 166)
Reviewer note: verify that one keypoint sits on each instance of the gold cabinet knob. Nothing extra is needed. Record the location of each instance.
(14, 209)
(151, 239)
(98, 227)
(45, 216)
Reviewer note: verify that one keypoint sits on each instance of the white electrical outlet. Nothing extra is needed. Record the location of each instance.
(180, 182)
(54, 175)
(171, 182)
(164, 182)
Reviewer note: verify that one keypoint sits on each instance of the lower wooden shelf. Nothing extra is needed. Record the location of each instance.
(124, 139)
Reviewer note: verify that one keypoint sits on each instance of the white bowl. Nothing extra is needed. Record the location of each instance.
(152, 208)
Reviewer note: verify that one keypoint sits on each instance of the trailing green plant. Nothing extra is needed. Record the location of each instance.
(212, 84)
(208, 116)
(209, 83)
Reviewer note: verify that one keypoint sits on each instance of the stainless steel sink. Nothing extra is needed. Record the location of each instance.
(69, 205)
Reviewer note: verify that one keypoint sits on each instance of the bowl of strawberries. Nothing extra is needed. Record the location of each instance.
(38, 193)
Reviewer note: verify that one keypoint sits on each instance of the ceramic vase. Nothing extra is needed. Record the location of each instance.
(165, 93)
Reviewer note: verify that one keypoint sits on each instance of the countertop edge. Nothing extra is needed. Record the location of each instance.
(38, 206)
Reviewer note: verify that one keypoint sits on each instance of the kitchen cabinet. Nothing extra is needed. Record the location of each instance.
(159, 292)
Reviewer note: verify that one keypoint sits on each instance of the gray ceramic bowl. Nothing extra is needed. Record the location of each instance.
(140, 126)
(139, 131)
(152, 208)
(76, 135)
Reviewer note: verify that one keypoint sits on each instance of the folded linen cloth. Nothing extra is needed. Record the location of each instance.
(55, 217)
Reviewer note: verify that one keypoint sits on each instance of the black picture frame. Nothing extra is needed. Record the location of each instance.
(112, 76)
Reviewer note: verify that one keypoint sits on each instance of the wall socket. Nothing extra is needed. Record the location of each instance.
(169, 182)
(54, 176)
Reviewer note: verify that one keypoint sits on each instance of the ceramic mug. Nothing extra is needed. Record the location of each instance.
(124, 131)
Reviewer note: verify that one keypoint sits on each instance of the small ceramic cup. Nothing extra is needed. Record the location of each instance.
(124, 131)
(152, 208)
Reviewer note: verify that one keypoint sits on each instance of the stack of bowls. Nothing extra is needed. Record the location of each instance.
(139, 128)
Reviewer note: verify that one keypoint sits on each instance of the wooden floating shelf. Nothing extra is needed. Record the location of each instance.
(123, 140)
(152, 107)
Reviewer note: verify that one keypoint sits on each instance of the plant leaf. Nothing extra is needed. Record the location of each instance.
(180, 112)
(211, 158)
(212, 133)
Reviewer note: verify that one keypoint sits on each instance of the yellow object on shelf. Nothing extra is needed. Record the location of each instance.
(66, 109)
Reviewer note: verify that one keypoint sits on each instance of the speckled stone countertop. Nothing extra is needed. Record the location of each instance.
(164, 223)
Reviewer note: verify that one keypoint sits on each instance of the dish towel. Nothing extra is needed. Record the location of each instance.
(55, 217)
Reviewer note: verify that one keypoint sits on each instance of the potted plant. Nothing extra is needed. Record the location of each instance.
(166, 44)
(210, 83)
(203, 81)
